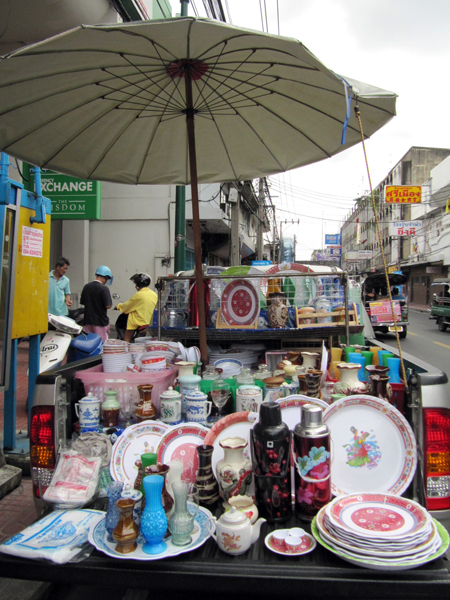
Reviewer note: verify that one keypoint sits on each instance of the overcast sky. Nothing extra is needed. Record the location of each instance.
(398, 45)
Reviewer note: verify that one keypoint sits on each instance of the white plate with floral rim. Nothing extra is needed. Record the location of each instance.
(140, 438)
(385, 565)
(98, 537)
(291, 408)
(373, 446)
(237, 424)
(180, 442)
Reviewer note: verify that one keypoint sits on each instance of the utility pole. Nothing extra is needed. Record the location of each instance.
(274, 258)
(235, 243)
(180, 203)
(261, 199)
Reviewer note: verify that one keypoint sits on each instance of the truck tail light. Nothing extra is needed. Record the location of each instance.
(437, 457)
(42, 447)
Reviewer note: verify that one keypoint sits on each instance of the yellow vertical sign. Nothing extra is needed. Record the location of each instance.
(31, 276)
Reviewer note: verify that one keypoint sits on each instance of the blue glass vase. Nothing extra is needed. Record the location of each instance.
(153, 519)
(114, 491)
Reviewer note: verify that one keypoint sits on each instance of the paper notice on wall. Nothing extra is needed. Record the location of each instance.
(32, 242)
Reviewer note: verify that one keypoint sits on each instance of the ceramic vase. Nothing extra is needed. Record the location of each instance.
(277, 312)
(206, 481)
(114, 491)
(310, 359)
(145, 409)
(381, 388)
(126, 531)
(394, 370)
(358, 359)
(166, 498)
(313, 378)
(174, 475)
(153, 519)
(349, 383)
(234, 471)
(374, 370)
(181, 522)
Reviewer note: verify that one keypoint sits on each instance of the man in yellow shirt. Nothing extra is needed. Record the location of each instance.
(140, 306)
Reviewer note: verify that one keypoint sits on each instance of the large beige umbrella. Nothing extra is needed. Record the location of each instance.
(178, 101)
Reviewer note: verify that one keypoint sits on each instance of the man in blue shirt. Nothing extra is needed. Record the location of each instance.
(59, 289)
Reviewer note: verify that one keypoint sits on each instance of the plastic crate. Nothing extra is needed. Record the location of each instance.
(125, 384)
(398, 396)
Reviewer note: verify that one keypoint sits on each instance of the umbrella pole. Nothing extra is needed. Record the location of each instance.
(196, 218)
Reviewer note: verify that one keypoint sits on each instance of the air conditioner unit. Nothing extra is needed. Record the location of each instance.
(233, 196)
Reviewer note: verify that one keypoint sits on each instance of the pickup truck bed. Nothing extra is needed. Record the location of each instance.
(209, 573)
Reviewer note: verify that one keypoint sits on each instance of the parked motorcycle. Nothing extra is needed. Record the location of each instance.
(67, 337)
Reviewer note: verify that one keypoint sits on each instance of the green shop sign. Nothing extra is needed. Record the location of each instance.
(71, 198)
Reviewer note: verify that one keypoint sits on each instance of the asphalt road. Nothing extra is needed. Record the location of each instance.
(424, 340)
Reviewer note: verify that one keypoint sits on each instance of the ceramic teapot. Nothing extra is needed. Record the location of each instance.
(234, 532)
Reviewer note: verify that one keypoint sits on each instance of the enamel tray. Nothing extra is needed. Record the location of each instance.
(373, 446)
(98, 538)
(235, 425)
(137, 439)
(240, 303)
(180, 442)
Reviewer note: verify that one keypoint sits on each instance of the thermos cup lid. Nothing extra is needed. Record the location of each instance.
(270, 414)
(311, 415)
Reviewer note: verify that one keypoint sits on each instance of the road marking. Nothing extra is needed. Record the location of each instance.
(411, 333)
(444, 345)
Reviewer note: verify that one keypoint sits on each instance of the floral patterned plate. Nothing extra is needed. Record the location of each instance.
(98, 538)
(179, 442)
(240, 303)
(373, 446)
(137, 439)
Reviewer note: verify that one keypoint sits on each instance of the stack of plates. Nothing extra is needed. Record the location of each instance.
(115, 356)
(230, 367)
(248, 358)
(380, 531)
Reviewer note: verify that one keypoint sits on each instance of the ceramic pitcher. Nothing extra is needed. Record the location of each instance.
(88, 411)
(234, 471)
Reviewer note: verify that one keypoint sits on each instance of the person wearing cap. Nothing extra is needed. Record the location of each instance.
(138, 310)
(96, 299)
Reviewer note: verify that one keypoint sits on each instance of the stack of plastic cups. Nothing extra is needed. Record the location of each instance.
(385, 357)
(380, 356)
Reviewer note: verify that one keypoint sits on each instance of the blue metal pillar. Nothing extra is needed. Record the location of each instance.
(9, 437)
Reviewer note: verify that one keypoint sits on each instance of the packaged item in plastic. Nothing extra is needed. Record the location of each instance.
(61, 536)
(75, 481)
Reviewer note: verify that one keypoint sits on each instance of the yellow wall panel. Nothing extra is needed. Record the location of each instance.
(31, 277)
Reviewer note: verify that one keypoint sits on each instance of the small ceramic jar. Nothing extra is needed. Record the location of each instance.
(248, 398)
(170, 406)
(111, 409)
(273, 388)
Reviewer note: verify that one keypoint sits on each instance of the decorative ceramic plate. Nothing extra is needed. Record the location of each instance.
(291, 408)
(373, 446)
(235, 425)
(308, 544)
(378, 515)
(179, 442)
(98, 538)
(135, 440)
(385, 565)
(240, 303)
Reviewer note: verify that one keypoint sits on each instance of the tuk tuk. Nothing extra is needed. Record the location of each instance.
(440, 302)
(376, 302)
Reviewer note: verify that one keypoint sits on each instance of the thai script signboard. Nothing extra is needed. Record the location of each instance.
(380, 312)
(404, 228)
(403, 194)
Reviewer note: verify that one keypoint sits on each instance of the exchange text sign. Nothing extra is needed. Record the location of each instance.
(404, 228)
(403, 194)
(71, 198)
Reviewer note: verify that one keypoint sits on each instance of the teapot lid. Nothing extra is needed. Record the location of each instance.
(89, 398)
(234, 516)
(170, 393)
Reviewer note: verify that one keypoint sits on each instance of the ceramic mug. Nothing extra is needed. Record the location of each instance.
(170, 410)
(88, 411)
(279, 539)
(198, 407)
(293, 544)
